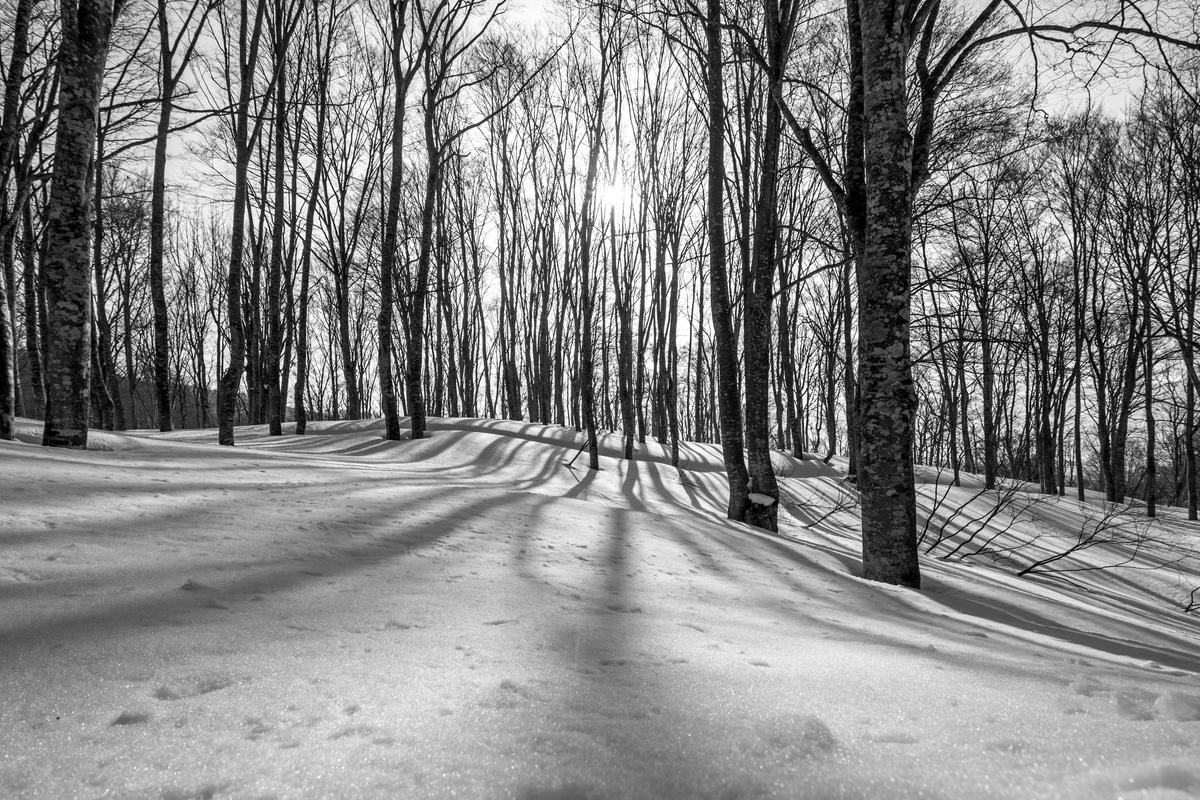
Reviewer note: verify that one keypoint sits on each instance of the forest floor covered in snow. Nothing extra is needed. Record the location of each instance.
(468, 616)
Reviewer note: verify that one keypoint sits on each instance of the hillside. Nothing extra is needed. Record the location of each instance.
(468, 616)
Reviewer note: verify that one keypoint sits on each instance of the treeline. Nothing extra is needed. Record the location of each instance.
(1057, 308)
(672, 222)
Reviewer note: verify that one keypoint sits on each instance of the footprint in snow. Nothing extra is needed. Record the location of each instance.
(1178, 707)
(1142, 705)
(893, 737)
(204, 792)
(786, 738)
(1135, 704)
(1154, 779)
(179, 691)
(621, 608)
(509, 694)
(1087, 687)
(570, 791)
(195, 586)
(396, 625)
(130, 718)
(256, 728)
(365, 731)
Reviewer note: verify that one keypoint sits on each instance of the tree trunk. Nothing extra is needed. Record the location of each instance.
(391, 223)
(158, 192)
(230, 383)
(416, 323)
(887, 400)
(1189, 453)
(66, 265)
(728, 396)
(7, 359)
(1148, 379)
(35, 309)
(274, 344)
(8, 145)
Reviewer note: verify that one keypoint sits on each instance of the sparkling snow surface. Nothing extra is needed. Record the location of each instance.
(465, 616)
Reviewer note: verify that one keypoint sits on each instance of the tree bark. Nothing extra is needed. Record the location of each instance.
(8, 146)
(274, 344)
(887, 400)
(724, 344)
(66, 263)
(391, 223)
(7, 359)
(249, 37)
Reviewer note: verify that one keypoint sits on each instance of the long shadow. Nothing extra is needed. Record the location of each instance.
(272, 577)
(994, 610)
(747, 546)
(581, 486)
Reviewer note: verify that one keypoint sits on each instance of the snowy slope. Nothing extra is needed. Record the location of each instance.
(467, 616)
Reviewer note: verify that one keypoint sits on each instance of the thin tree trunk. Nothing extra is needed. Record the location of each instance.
(274, 344)
(7, 359)
(9, 386)
(35, 307)
(391, 222)
(230, 383)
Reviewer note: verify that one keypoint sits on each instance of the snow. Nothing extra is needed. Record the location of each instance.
(466, 616)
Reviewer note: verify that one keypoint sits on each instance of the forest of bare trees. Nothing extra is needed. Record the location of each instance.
(899, 232)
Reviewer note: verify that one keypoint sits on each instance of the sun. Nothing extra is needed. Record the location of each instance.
(615, 194)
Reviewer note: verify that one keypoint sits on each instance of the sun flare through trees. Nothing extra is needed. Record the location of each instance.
(958, 234)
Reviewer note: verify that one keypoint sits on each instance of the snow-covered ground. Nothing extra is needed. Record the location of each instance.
(467, 616)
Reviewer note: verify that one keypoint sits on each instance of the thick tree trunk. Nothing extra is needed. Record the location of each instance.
(887, 400)
(724, 344)
(66, 265)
